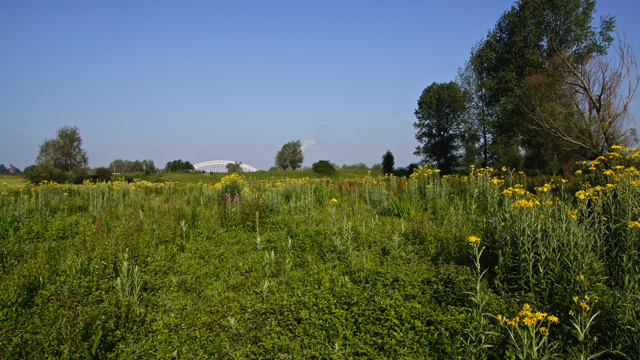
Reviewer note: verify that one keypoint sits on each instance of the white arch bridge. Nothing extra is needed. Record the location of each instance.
(220, 166)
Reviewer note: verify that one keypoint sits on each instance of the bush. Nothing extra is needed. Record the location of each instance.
(323, 167)
(103, 174)
(49, 172)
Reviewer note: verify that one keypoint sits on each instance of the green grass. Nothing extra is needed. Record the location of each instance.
(252, 176)
(12, 179)
(354, 267)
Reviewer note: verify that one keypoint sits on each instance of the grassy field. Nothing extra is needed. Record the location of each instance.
(263, 265)
(12, 179)
(252, 176)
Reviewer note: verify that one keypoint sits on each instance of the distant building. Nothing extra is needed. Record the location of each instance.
(13, 169)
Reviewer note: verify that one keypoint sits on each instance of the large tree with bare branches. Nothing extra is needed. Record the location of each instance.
(524, 43)
(583, 101)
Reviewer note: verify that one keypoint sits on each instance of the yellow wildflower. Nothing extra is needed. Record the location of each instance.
(473, 240)
(633, 224)
(585, 307)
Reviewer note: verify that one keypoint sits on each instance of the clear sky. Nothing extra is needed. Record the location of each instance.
(234, 80)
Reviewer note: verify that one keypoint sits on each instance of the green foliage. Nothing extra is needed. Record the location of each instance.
(48, 172)
(377, 167)
(178, 166)
(62, 158)
(323, 167)
(29, 168)
(234, 167)
(290, 156)
(361, 166)
(65, 151)
(320, 268)
(103, 174)
(11, 170)
(126, 166)
(478, 118)
(526, 40)
(387, 162)
(440, 125)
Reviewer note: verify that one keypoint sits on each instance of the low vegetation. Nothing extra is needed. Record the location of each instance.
(380, 267)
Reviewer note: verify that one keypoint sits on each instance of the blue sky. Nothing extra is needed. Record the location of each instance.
(234, 80)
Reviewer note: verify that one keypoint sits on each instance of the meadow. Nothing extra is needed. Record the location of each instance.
(486, 265)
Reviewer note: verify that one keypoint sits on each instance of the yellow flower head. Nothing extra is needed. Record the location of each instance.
(334, 201)
(585, 307)
(473, 240)
(634, 224)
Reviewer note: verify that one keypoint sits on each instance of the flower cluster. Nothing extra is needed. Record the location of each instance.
(533, 320)
(634, 224)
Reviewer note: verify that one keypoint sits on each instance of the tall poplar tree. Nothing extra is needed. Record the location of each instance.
(440, 123)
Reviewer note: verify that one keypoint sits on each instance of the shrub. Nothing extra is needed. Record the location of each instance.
(323, 167)
(103, 174)
(48, 172)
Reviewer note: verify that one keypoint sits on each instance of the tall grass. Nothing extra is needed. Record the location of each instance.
(372, 267)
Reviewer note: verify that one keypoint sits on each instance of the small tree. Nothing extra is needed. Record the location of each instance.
(64, 153)
(290, 156)
(387, 162)
(323, 167)
(234, 167)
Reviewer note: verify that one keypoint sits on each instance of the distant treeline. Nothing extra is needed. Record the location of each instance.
(128, 166)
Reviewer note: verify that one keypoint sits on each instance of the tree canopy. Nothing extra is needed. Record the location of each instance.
(290, 156)
(234, 167)
(61, 159)
(440, 123)
(541, 90)
(126, 166)
(387, 162)
(178, 166)
(64, 151)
